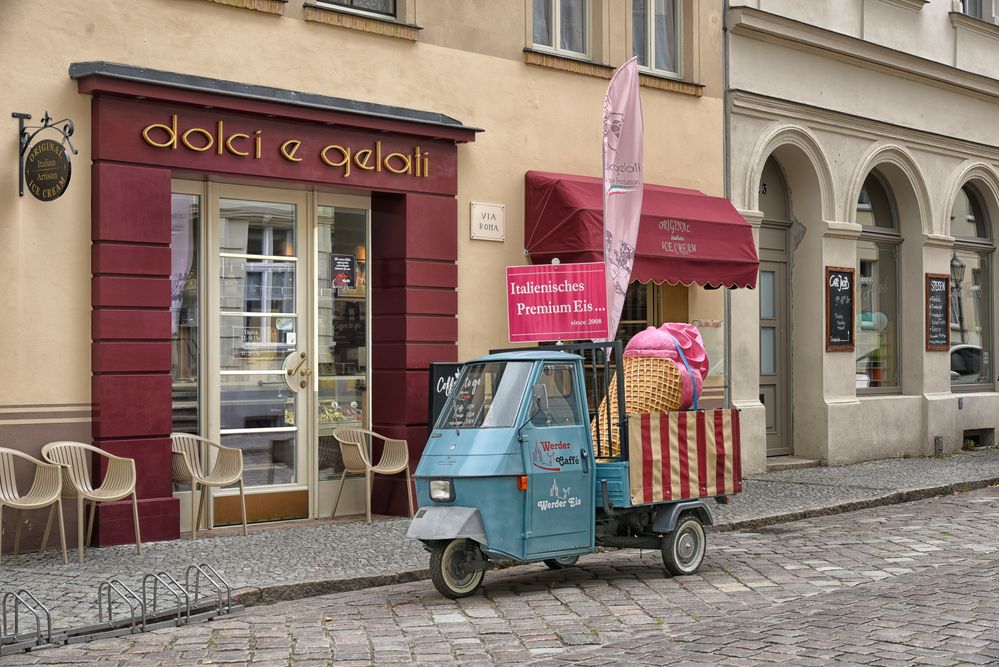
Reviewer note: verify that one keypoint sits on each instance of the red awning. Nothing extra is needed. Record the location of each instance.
(685, 236)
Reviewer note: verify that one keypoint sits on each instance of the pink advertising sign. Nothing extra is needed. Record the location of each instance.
(557, 302)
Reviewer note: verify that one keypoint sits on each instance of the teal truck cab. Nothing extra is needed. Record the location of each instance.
(511, 471)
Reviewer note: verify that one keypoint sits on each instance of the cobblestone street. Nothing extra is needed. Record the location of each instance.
(901, 584)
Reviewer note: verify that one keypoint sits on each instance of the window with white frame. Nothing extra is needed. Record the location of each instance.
(562, 26)
(878, 340)
(380, 7)
(971, 293)
(656, 35)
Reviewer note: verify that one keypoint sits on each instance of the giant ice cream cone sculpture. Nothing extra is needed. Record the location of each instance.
(656, 379)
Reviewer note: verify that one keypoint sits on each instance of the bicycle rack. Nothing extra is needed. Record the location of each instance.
(204, 595)
(23, 640)
(214, 578)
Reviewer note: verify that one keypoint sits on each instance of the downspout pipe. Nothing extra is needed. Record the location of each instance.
(727, 184)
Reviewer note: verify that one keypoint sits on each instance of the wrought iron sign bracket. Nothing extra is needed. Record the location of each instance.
(25, 133)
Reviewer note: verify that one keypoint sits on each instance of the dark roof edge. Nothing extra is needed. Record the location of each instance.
(262, 93)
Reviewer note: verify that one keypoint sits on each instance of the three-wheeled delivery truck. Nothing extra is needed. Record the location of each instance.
(520, 467)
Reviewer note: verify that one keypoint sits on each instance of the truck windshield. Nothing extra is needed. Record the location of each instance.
(487, 395)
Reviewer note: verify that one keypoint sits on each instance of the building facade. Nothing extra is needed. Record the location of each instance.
(863, 145)
(274, 220)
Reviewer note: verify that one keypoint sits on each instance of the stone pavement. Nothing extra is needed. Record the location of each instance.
(889, 585)
(289, 562)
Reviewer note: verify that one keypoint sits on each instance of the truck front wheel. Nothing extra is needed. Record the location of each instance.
(683, 549)
(449, 569)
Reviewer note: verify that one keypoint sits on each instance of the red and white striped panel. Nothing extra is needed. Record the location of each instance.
(680, 455)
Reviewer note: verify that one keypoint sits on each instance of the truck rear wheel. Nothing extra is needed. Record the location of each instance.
(683, 549)
(449, 571)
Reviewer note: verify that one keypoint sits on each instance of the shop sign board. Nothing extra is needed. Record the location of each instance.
(550, 302)
(937, 312)
(343, 271)
(488, 222)
(253, 144)
(443, 377)
(47, 170)
(840, 325)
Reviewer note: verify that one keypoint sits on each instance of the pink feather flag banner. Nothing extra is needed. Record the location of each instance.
(623, 163)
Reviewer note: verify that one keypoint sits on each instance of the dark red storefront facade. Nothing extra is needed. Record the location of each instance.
(406, 160)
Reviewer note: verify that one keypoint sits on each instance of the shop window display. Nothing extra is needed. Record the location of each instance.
(343, 317)
(877, 351)
(971, 293)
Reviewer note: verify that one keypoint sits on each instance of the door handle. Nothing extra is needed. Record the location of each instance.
(585, 457)
(294, 363)
(301, 362)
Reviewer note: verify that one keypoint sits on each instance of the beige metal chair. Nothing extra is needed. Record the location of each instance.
(44, 492)
(357, 461)
(119, 482)
(190, 466)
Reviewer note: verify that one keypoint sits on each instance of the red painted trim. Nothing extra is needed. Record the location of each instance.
(151, 455)
(127, 406)
(719, 418)
(702, 453)
(667, 466)
(647, 490)
(416, 273)
(118, 291)
(159, 519)
(682, 445)
(130, 357)
(420, 301)
(131, 324)
(414, 328)
(117, 258)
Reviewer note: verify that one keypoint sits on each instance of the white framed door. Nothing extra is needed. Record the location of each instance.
(280, 342)
(259, 374)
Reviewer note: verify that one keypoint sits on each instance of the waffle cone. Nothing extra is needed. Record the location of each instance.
(651, 385)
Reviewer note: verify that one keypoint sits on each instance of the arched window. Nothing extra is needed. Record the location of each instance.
(971, 293)
(877, 288)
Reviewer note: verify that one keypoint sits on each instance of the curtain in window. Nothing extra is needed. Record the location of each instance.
(658, 50)
(639, 26)
(665, 35)
(572, 25)
(543, 22)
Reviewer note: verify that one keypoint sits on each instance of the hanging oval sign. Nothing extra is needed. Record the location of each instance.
(47, 170)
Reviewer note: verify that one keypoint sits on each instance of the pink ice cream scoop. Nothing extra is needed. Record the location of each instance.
(660, 343)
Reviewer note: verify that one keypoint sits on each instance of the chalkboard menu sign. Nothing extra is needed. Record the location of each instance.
(443, 377)
(840, 325)
(937, 311)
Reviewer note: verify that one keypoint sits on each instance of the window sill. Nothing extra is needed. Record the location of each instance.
(275, 7)
(670, 83)
(911, 5)
(982, 27)
(588, 68)
(365, 23)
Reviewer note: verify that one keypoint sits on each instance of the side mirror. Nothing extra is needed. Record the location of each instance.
(539, 397)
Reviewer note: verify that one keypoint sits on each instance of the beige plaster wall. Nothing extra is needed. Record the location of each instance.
(469, 66)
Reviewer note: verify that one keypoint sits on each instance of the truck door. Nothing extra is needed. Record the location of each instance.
(561, 485)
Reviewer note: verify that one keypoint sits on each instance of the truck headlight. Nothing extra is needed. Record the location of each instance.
(441, 490)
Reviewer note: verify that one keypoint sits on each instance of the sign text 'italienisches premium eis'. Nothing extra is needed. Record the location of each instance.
(174, 136)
